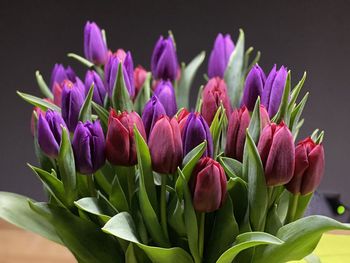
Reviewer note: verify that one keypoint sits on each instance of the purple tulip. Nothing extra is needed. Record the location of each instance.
(111, 71)
(60, 73)
(95, 48)
(273, 90)
(50, 132)
(72, 101)
(208, 183)
(164, 63)
(254, 86)
(276, 149)
(152, 111)
(166, 95)
(220, 55)
(194, 132)
(309, 167)
(88, 147)
(99, 88)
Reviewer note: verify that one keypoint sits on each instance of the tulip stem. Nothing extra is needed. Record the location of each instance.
(292, 208)
(91, 185)
(201, 233)
(163, 209)
(131, 183)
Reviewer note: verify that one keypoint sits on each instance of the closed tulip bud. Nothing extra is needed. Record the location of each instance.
(95, 48)
(60, 73)
(276, 149)
(182, 118)
(273, 90)
(140, 75)
(220, 55)
(253, 87)
(120, 140)
(164, 63)
(264, 117)
(72, 101)
(208, 183)
(36, 112)
(99, 88)
(165, 145)
(309, 167)
(214, 93)
(166, 95)
(89, 147)
(194, 132)
(111, 71)
(152, 111)
(50, 132)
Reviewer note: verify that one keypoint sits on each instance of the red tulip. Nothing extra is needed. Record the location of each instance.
(140, 75)
(182, 118)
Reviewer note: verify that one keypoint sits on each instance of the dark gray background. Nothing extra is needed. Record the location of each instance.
(303, 35)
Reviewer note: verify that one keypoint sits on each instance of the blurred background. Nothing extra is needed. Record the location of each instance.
(302, 35)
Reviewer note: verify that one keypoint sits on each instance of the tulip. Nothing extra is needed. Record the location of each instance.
(208, 185)
(72, 101)
(95, 48)
(214, 93)
(165, 145)
(273, 90)
(166, 95)
(140, 75)
(254, 86)
(36, 112)
(120, 140)
(99, 88)
(59, 74)
(309, 167)
(164, 63)
(49, 132)
(194, 132)
(89, 147)
(111, 71)
(182, 118)
(276, 149)
(220, 55)
(152, 111)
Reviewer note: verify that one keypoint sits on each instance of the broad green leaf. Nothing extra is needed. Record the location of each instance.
(237, 189)
(102, 181)
(248, 240)
(121, 98)
(85, 111)
(102, 113)
(45, 90)
(303, 202)
(232, 167)
(283, 109)
(187, 76)
(273, 221)
(122, 226)
(233, 75)
(38, 102)
(312, 258)
(118, 197)
(176, 215)
(14, 209)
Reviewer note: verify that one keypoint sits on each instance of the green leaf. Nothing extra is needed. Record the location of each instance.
(312, 258)
(237, 189)
(42, 85)
(102, 114)
(232, 167)
(14, 209)
(303, 202)
(295, 93)
(82, 60)
(187, 77)
(217, 127)
(248, 240)
(319, 139)
(176, 215)
(255, 122)
(85, 111)
(122, 226)
(273, 221)
(296, 113)
(233, 75)
(35, 101)
(118, 197)
(282, 111)
(300, 239)
(144, 95)
(121, 98)
(253, 62)
(66, 165)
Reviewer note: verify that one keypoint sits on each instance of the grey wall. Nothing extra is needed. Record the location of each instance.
(304, 35)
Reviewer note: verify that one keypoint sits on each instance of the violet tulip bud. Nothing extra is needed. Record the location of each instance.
(120, 140)
(50, 132)
(165, 145)
(194, 132)
(140, 75)
(111, 71)
(273, 90)
(276, 149)
(214, 93)
(89, 147)
(152, 111)
(60, 73)
(208, 183)
(254, 86)
(72, 101)
(99, 88)
(95, 48)
(166, 95)
(164, 63)
(220, 55)
(309, 167)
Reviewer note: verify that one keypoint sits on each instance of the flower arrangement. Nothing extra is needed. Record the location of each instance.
(133, 175)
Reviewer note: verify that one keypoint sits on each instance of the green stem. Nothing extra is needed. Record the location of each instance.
(131, 183)
(91, 185)
(292, 208)
(201, 234)
(163, 210)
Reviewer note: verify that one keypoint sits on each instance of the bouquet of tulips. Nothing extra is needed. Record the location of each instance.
(133, 174)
